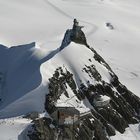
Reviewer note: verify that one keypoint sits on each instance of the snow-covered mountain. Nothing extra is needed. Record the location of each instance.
(111, 28)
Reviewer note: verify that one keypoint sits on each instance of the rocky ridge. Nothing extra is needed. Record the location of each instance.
(121, 110)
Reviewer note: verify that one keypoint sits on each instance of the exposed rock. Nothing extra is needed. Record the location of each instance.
(75, 34)
(109, 25)
(92, 72)
(57, 86)
(78, 35)
(32, 115)
(41, 130)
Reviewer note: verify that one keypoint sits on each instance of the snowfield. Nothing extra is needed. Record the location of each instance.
(12, 129)
(28, 67)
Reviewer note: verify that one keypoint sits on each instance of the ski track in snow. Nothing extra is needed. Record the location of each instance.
(137, 136)
(93, 26)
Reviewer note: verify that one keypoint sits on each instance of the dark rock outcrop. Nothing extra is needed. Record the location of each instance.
(75, 34)
(41, 130)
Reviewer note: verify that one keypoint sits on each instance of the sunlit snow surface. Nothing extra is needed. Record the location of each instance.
(13, 128)
(44, 22)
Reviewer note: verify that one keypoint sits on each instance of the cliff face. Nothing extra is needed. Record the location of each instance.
(111, 106)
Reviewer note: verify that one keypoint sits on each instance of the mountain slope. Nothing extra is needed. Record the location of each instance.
(84, 81)
(26, 70)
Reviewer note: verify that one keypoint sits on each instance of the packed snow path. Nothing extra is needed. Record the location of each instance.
(92, 27)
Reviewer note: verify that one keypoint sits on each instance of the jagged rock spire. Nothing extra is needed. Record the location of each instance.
(75, 34)
(78, 35)
(76, 25)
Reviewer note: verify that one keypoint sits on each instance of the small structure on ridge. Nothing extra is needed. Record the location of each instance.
(78, 35)
(74, 35)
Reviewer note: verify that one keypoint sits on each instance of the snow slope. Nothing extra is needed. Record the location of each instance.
(12, 129)
(28, 67)
(131, 133)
